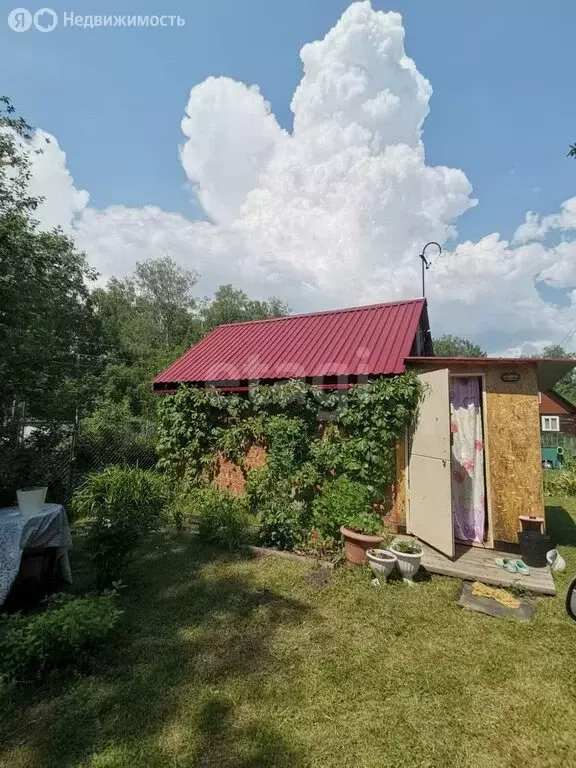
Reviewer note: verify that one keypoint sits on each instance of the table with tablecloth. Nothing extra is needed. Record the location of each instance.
(48, 528)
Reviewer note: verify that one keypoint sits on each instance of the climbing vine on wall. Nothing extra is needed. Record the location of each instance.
(362, 427)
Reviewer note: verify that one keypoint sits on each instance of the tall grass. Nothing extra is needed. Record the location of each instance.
(560, 482)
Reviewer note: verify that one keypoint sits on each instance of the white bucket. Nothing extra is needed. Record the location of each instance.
(555, 560)
(31, 501)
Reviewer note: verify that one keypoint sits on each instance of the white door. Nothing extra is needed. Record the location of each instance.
(429, 474)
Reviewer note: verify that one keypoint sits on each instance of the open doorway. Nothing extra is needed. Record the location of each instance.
(468, 468)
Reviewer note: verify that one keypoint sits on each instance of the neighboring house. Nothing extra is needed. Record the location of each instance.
(556, 413)
(471, 466)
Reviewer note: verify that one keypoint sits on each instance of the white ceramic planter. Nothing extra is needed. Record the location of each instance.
(409, 565)
(381, 561)
(31, 501)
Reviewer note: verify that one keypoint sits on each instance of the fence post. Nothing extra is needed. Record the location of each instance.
(72, 456)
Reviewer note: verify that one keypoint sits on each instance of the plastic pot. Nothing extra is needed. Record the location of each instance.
(357, 544)
(534, 547)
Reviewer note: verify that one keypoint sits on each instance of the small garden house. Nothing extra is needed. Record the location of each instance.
(471, 463)
(474, 454)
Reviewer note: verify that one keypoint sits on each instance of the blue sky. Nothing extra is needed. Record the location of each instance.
(503, 107)
(308, 219)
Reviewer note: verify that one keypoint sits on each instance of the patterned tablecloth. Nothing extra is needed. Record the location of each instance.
(48, 528)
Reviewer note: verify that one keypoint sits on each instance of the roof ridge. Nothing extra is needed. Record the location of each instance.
(340, 311)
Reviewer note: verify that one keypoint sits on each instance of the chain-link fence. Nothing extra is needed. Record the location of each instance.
(560, 440)
(62, 455)
(127, 447)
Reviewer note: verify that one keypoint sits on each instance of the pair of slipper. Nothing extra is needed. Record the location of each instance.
(513, 566)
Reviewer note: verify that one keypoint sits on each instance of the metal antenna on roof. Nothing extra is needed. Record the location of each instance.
(427, 264)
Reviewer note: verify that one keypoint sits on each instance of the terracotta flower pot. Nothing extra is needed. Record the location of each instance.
(357, 544)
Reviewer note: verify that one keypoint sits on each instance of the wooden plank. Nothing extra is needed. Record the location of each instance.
(476, 564)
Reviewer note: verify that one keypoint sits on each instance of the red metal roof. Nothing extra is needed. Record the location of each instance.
(554, 403)
(345, 342)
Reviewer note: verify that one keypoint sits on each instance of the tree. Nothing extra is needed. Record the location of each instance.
(456, 346)
(232, 305)
(49, 332)
(14, 163)
(165, 290)
(151, 311)
(572, 151)
(567, 384)
(148, 320)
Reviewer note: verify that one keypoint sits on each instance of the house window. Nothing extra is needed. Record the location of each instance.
(550, 424)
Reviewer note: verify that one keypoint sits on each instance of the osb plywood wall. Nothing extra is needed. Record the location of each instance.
(512, 444)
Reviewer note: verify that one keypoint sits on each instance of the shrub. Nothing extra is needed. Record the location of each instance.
(560, 482)
(178, 510)
(283, 523)
(223, 520)
(260, 486)
(323, 549)
(122, 505)
(343, 502)
(280, 505)
(61, 635)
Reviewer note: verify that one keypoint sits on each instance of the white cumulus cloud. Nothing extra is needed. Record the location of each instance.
(224, 158)
(335, 212)
(51, 180)
(536, 227)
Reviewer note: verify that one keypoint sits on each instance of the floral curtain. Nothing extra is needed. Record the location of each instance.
(468, 500)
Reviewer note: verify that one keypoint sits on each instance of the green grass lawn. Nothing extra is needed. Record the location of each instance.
(228, 661)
